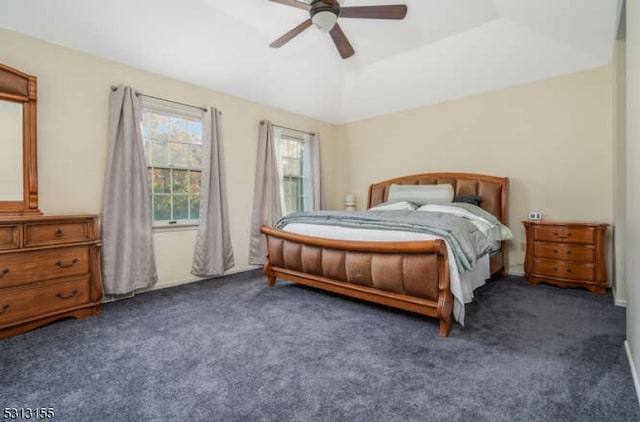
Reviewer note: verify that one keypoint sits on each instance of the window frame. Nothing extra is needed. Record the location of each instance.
(304, 185)
(173, 111)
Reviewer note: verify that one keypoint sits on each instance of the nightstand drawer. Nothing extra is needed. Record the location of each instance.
(564, 234)
(18, 304)
(40, 234)
(563, 269)
(564, 251)
(22, 268)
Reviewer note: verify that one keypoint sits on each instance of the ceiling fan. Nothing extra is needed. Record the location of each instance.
(324, 14)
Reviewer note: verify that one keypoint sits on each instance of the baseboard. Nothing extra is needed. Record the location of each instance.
(195, 279)
(634, 374)
(176, 283)
(620, 303)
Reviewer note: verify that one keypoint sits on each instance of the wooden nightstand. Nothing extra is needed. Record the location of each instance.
(566, 254)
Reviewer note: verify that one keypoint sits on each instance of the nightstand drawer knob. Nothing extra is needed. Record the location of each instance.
(4, 308)
(4, 272)
(568, 270)
(58, 232)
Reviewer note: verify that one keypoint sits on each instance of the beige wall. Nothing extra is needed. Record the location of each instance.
(619, 170)
(632, 229)
(552, 138)
(73, 98)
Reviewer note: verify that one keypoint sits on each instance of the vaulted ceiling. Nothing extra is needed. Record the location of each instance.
(443, 49)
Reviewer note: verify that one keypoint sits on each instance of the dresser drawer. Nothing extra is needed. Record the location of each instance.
(40, 234)
(21, 268)
(564, 251)
(564, 234)
(26, 303)
(564, 269)
(10, 236)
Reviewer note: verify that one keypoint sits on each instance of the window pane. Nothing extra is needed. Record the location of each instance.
(178, 154)
(195, 156)
(194, 132)
(194, 190)
(180, 207)
(195, 205)
(178, 129)
(161, 180)
(291, 167)
(180, 181)
(155, 126)
(161, 207)
(290, 204)
(195, 182)
(159, 153)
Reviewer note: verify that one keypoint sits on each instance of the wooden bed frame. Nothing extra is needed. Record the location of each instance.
(409, 275)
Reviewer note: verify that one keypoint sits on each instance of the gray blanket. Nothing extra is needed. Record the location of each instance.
(465, 239)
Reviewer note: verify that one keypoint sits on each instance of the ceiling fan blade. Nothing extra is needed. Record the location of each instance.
(342, 43)
(289, 35)
(293, 3)
(397, 11)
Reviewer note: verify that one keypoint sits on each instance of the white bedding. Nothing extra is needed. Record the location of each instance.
(462, 285)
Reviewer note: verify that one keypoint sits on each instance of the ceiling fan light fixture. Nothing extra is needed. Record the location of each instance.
(324, 16)
(324, 21)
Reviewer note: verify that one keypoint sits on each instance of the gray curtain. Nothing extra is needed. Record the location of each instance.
(128, 261)
(318, 198)
(213, 252)
(267, 208)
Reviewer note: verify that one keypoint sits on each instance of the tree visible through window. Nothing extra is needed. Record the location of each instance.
(173, 148)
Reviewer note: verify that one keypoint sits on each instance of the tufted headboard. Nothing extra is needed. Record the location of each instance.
(492, 189)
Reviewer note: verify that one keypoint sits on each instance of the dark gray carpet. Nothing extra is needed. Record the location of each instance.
(232, 349)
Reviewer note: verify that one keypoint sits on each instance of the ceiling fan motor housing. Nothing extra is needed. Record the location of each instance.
(318, 6)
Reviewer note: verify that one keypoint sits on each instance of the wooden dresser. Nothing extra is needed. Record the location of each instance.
(566, 254)
(49, 269)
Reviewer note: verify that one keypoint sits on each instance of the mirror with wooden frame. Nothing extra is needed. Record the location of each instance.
(18, 145)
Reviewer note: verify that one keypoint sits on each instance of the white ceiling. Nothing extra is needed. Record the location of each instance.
(443, 49)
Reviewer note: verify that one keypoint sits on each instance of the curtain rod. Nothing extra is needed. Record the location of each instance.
(113, 88)
(289, 128)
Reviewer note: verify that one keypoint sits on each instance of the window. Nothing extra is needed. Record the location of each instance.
(294, 162)
(172, 137)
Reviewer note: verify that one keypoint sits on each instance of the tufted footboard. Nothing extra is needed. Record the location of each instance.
(408, 275)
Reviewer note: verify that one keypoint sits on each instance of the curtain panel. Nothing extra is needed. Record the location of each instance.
(128, 261)
(267, 207)
(213, 253)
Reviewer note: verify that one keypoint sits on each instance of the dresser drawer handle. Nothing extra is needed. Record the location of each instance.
(61, 265)
(73, 293)
(58, 232)
(4, 272)
(4, 308)
(568, 270)
(561, 236)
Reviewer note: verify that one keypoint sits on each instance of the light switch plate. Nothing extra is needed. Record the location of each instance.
(535, 216)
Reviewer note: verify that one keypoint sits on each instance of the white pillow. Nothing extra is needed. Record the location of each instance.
(421, 194)
(394, 206)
